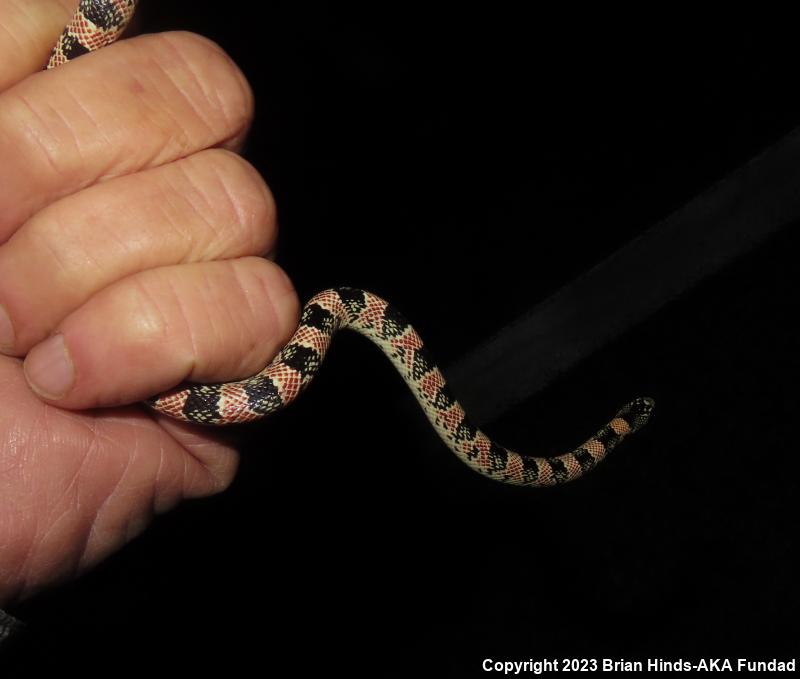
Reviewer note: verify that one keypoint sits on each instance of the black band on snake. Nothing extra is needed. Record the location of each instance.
(100, 22)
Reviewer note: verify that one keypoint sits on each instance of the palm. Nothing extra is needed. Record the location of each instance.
(76, 486)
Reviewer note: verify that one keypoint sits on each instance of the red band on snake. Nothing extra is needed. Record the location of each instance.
(98, 23)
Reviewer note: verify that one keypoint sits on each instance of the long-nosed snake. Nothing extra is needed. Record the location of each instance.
(98, 23)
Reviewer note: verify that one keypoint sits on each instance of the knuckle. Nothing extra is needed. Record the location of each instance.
(267, 305)
(247, 199)
(207, 76)
(277, 289)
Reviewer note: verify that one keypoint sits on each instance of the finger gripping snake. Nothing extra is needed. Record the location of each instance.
(97, 23)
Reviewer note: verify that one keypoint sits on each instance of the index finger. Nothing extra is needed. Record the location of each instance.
(136, 104)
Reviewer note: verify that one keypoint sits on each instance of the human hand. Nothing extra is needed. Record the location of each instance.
(131, 237)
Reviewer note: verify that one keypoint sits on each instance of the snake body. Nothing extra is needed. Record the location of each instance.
(98, 23)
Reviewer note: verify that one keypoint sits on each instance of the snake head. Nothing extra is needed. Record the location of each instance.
(637, 412)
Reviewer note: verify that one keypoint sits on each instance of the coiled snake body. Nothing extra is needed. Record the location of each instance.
(98, 23)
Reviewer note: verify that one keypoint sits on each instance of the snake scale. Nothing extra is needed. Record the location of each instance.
(97, 23)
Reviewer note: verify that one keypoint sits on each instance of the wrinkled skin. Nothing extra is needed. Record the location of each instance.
(135, 252)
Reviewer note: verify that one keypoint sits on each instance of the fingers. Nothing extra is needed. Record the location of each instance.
(137, 104)
(28, 31)
(210, 321)
(76, 486)
(111, 183)
(212, 205)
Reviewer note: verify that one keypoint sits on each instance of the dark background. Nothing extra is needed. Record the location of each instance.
(466, 163)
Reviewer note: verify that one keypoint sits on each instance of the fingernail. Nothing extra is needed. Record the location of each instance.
(6, 331)
(49, 369)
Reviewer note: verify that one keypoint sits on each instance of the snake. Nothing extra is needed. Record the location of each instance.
(97, 23)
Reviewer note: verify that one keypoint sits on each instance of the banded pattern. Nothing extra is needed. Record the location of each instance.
(339, 308)
(95, 24)
(100, 22)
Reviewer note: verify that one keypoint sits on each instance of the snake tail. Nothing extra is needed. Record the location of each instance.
(97, 23)
(294, 368)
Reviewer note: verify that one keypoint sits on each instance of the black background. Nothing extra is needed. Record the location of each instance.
(465, 163)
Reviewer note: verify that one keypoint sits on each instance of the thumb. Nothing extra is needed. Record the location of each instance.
(201, 322)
